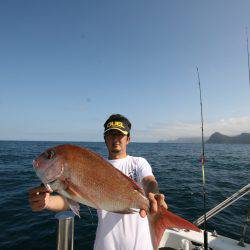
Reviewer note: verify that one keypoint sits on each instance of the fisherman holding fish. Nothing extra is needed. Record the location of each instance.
(126, 231)
(82, 176)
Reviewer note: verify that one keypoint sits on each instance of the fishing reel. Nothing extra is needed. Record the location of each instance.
(244, 228)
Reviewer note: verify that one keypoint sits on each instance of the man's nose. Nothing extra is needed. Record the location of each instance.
(115, 139)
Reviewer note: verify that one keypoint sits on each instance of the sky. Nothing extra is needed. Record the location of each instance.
(66, 66)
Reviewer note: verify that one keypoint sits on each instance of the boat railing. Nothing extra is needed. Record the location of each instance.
(65, 230)
(236, 196)
(65, 234)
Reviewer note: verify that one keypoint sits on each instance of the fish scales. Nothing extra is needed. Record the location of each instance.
(85, 177)
(96, 179)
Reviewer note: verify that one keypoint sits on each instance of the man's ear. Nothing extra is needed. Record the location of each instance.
(128, 140)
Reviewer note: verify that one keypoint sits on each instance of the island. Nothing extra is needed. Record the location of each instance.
(217, 137)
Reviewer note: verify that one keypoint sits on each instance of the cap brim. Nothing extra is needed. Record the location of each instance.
(124, 132)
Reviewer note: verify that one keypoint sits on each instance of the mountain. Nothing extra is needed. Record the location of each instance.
(217, 137)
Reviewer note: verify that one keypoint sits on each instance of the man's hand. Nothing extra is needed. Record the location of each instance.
(39, 198)
(155, 200)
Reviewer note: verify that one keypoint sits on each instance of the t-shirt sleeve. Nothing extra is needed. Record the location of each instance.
(144, 168)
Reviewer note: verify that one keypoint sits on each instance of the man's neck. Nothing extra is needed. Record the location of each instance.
(116, 156)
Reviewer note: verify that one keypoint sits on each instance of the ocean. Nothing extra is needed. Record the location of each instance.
(176, 167)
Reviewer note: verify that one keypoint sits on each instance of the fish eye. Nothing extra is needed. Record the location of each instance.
(50, 154)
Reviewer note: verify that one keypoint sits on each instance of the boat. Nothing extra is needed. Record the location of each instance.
(174, 239)
(180, 239)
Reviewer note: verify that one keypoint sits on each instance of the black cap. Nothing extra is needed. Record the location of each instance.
(117, 122)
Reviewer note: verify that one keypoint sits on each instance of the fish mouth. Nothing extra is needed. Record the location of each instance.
(35, 164)
(52, 179)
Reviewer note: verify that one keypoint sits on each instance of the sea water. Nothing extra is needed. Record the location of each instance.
(176, 167)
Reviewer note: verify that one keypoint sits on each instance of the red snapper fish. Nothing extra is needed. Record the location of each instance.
(82, 176)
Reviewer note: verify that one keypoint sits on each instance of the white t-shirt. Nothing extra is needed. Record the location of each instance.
(125, 231)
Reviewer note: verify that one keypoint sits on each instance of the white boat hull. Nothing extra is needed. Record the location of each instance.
(187, 240)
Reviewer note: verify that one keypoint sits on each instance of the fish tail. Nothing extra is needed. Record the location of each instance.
(163, 220)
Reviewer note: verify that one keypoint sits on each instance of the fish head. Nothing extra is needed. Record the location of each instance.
(50, 165)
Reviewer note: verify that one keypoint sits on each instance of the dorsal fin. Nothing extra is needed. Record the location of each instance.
(134, 183)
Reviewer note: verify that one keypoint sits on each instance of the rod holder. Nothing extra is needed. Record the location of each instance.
(244, 228)
(65, 230)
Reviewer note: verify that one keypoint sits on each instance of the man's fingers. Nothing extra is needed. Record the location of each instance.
(143, 213)
(38, 203)
(38, 196)
(161, 200)
(38, 190)
(153, 203)
(37, 206)
(37, 200)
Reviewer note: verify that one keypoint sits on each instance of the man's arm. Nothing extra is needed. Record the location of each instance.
(150, 185)
(151, 189)
(40, 199)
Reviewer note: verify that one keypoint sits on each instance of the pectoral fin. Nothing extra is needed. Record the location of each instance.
(75, 194)
(74, 206)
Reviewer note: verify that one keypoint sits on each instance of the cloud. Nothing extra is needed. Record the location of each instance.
(170, 131)
(152, 133)
(230, 126)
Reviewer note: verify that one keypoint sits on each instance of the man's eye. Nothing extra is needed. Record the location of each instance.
(50, 154)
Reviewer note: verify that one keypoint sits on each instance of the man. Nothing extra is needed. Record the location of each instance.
(115, 231)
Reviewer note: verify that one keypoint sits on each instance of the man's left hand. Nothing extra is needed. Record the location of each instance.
(155, 200)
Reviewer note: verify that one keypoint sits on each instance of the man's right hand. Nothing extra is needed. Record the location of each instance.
(39, 198)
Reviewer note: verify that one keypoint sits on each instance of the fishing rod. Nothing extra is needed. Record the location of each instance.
(203, 166)
(248, 59)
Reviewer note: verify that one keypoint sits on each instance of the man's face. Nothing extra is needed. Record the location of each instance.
(116, 141)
